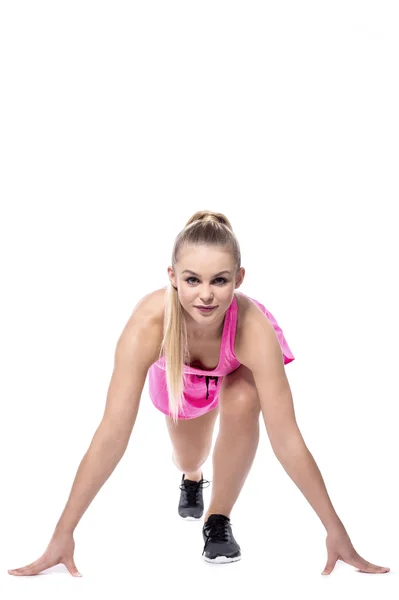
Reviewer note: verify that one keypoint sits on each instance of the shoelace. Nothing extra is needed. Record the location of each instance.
(207, 379)
(192, 488)
(217, 530)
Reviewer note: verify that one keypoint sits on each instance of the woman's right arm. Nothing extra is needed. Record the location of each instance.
(136, 350)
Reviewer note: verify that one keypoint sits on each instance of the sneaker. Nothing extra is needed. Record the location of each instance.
(220, 545)
(191, 503)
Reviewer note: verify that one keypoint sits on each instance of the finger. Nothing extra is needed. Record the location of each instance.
(32, 569)
(70, 565)
(370, 568)
(331, 562)
(366, 567)
(23, 571)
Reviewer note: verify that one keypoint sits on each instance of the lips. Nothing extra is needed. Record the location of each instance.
(209, 307)
(206, 309)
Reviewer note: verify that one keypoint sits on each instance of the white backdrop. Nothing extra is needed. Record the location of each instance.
(119, 120)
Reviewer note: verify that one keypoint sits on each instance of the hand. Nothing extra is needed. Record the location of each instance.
(59, 550)
(339, 547)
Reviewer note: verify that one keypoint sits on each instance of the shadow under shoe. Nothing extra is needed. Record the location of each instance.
(220, 545)
(191, 503)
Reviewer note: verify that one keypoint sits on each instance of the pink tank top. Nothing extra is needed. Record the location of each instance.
(227, 359)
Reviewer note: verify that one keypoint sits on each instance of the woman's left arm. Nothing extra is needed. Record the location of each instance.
(260, 351)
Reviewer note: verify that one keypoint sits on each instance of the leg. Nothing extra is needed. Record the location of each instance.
(237, 441)
(191, 442)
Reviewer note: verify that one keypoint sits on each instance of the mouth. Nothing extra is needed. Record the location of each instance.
(206, 309)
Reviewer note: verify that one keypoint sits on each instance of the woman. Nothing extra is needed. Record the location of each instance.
(177, 335)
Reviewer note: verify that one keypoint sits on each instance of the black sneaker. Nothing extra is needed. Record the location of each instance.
(191, 503)
(220, 545)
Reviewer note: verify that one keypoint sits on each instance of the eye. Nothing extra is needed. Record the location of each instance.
(217, 279)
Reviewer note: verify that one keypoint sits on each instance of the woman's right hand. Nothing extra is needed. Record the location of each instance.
(59, 550)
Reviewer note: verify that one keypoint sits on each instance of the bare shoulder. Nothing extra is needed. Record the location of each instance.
(151, 306)
(244, 316)
(246, 313)
(243, 303)
(143, 331)
(255, 336)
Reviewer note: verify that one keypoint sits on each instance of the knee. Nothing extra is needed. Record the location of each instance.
(240, 402)
(187, 464)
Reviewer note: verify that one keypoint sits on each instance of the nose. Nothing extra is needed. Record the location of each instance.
(206, 296)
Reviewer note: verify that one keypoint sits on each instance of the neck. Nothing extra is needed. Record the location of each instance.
(205, 333)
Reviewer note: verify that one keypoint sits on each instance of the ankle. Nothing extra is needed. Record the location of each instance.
(194, 476)
(216, 512)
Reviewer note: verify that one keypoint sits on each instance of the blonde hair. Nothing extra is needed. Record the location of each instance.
(208, 228)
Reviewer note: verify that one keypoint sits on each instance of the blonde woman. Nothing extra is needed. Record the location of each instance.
(208, 350)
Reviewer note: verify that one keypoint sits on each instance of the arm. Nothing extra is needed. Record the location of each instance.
(135, 351)
(260, 351)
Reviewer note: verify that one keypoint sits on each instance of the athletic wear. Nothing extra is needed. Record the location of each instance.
(220, 545)
(191, 503)
(201, 387)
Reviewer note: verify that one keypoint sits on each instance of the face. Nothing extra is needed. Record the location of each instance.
(205, 284)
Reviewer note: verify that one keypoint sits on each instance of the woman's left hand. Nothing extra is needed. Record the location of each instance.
(339, 547)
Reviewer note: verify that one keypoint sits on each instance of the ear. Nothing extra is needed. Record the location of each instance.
(240, 277)
(172, 277)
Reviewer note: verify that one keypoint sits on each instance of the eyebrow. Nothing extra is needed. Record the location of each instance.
(196, 274)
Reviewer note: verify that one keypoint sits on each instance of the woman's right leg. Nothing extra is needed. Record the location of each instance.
(191, 442)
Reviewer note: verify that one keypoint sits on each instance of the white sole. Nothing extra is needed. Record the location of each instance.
(221, 559)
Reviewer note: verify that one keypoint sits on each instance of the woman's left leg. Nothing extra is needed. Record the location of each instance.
(237, 440)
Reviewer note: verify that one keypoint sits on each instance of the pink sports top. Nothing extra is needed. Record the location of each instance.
(227, 360)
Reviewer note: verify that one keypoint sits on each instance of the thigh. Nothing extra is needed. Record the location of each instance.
(192, 437)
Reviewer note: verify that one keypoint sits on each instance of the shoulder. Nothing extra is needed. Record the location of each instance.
(245, 317)
(256, 343)
(151, 306)
(247, 314)
(143, 331)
